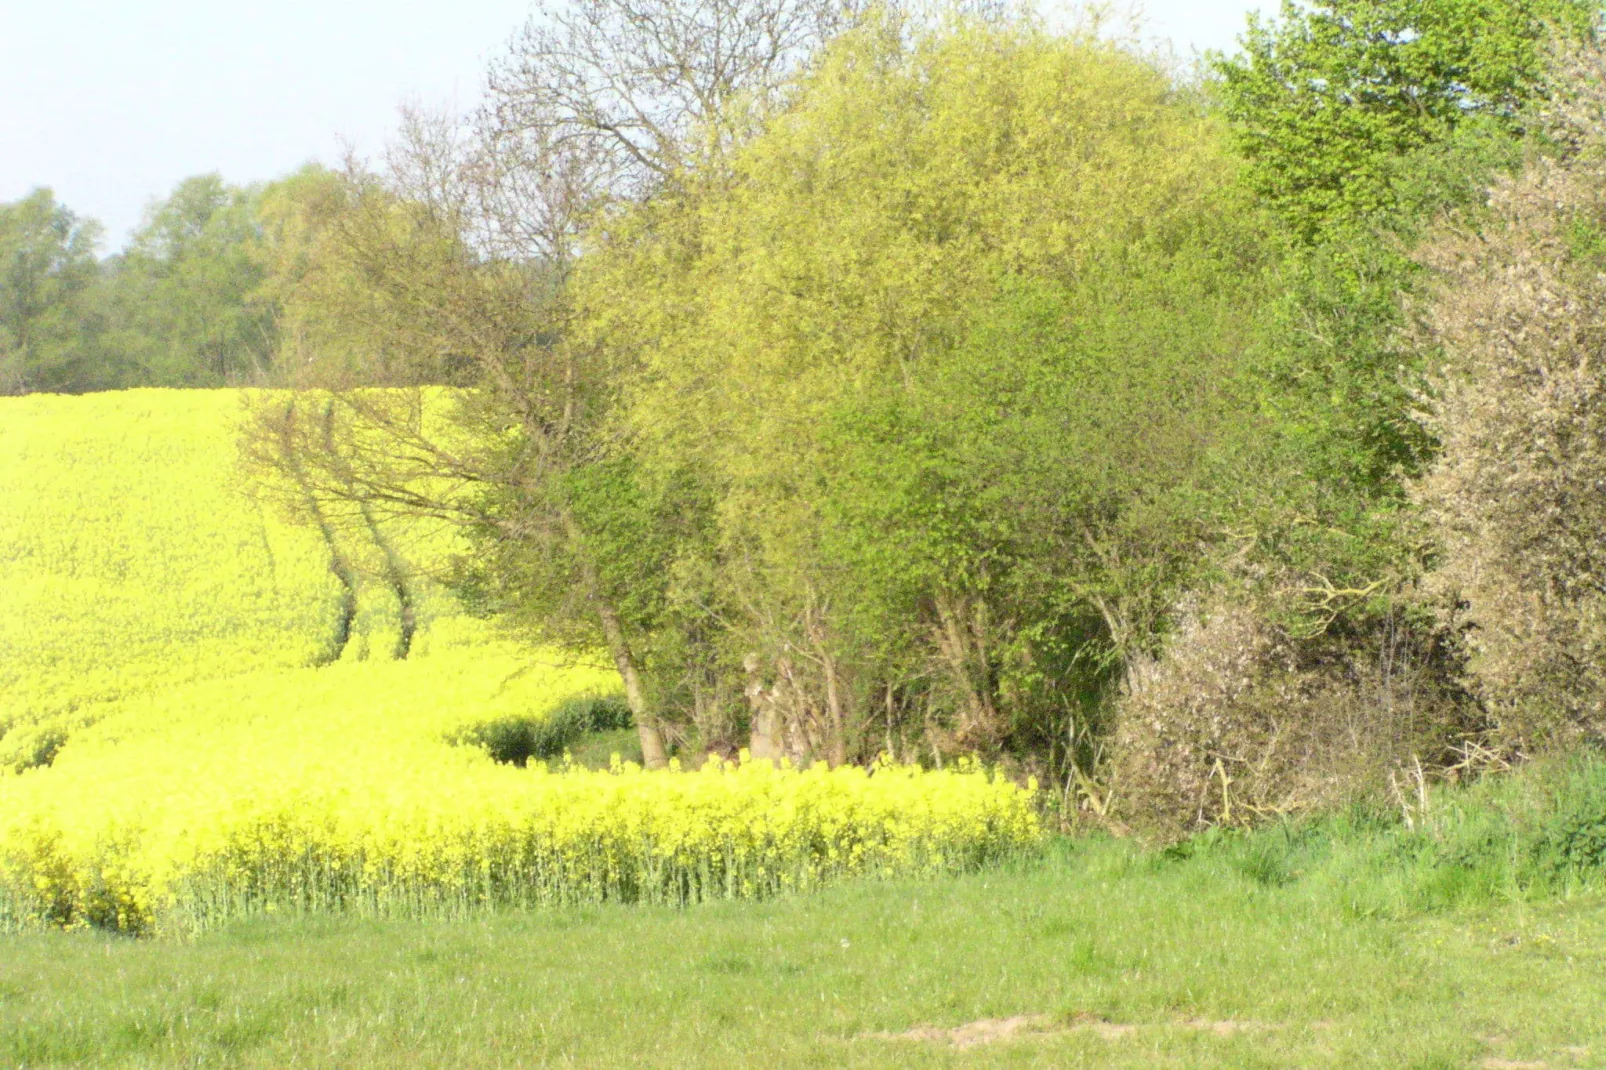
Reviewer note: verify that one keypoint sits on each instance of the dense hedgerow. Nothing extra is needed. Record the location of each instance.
(1241, 720)
(1518, 495)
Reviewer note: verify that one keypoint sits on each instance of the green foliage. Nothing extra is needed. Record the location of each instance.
(183, 294)
(1318, 664)
(1334, 100)
(947, 350)
(48, 319)
(364, 282)
(1323, 104)
(518, 739)
(1363, 122)
(1565, 843)
(199, 297)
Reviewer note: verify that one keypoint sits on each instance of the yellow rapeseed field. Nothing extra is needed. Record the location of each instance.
(181, 815)
(128, 561)
(179, 746)
(131, 559)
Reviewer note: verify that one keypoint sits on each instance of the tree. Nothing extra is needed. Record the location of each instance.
(1331, 100)
(636, 93)
(48, 270)
(452, 270)
(184, 293)
(948, 346)
(1362, 122)
(1515, 498)
(1314, 662)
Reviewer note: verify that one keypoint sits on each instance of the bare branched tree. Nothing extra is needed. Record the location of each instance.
(446, 268)
(640, 90)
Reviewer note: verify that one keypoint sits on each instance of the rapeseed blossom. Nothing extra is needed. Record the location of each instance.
(183, 814)
(180, 745)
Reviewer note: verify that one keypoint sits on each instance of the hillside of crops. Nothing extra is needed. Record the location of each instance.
(215, 706)
(135, 556)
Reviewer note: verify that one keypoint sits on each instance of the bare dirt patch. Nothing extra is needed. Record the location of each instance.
(1225, 1028)
(1100, 1026)
(1570, 1055)
(984, 1031)
(992, 1030)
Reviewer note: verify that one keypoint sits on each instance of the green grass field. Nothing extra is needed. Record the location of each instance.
(1097, 955)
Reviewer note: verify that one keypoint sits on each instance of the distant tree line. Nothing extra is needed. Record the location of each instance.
(189, 302)
(1212, 445)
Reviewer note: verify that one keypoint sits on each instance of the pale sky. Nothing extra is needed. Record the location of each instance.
(112, 102)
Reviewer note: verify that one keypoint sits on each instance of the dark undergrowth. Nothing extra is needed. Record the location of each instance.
(521, 739)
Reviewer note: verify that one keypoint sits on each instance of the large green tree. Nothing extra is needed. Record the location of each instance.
(951, 346)
(1315, 664)
(1360, 123)
(451, 271)
(1334, 99)
(184, 293)
(48, 324)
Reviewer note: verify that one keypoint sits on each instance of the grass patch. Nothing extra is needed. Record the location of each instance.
(1529, 837)
(596, 750)
(1098, 954)
(1476, 937)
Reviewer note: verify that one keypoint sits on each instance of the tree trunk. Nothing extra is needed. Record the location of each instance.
(836, 727)
(837, 748)
(765, 733)
(653, 753)
(980, 724)
(799, 723)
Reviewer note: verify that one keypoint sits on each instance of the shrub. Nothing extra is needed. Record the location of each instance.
(1238, 720)
(515, 740)
(1518, 495)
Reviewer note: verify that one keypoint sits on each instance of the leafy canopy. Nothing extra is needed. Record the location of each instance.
(47, 271)
(949, 344)
(1332, 99)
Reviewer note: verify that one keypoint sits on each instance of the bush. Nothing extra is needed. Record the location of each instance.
(516, 740)
(1239, 720)
(1518, 496)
